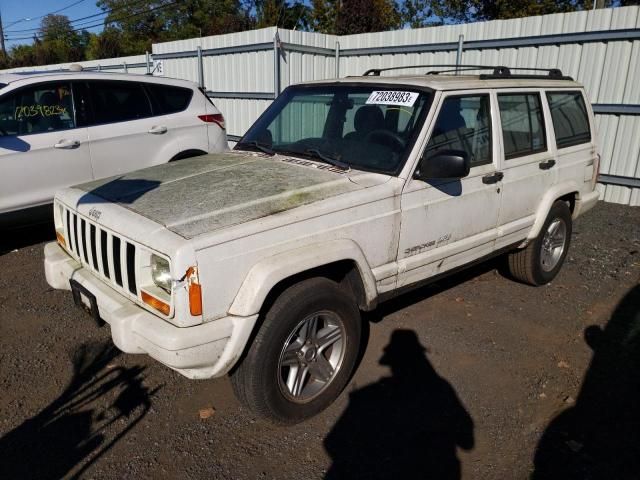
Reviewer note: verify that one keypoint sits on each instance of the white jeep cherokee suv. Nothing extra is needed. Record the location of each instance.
(62, 128)
(343, 193)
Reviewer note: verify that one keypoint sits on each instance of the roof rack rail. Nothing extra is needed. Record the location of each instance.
(497, 71)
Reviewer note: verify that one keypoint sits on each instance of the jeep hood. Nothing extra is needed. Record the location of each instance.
(211, 192)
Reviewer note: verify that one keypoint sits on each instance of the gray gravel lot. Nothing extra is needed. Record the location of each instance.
(474, 377)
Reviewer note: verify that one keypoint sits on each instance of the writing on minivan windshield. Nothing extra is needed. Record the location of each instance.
(347, 126)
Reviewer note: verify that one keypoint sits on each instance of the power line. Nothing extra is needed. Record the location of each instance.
(34, 36)
(76, 20)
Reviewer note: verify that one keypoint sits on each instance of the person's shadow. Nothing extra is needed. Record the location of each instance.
(405, 426)
(599, 438)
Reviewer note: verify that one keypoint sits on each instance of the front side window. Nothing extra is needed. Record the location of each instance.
(570, 118)
(365, 127)
(464, 123)
(522, 124)
(118, 102)
(37, 109)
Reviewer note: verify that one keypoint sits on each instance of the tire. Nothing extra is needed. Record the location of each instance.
(285, 379)
(540, 261)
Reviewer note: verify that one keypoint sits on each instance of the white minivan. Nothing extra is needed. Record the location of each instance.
(64, 128)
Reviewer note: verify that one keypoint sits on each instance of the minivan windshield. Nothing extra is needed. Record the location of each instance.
(370, 127)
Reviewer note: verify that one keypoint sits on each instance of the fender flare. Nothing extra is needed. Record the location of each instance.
(549, 198)
(265, 274)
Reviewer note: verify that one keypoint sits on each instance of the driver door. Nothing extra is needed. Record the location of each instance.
(447, 223)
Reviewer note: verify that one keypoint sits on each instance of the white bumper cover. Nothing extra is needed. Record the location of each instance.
(202, 351)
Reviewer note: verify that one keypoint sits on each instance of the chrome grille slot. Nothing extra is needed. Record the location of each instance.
(104, 253)
(93, 245)
(117, 260)
(131, 268)
(83, 235)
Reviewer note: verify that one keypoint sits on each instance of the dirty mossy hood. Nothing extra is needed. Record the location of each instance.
(207, 193)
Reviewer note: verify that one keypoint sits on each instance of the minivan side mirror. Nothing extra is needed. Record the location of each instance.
(445, 164)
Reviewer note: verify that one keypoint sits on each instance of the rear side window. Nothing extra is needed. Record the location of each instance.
(522, 124)
(168, 99)
(119, 102)
(570, 118)
(38, 109)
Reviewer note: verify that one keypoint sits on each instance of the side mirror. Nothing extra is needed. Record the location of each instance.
(445, 164)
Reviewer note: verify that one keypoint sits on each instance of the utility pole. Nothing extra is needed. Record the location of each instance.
(4, 50)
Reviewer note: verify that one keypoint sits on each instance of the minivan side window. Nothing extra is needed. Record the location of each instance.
(464, 123)
(118, 101)
(570, 118)
(168, 99)
(37, 109)
(522, 124)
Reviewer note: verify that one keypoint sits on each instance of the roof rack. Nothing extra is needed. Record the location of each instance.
(497, 71)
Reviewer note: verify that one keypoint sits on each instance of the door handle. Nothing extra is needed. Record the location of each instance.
(158, 130)
(492, 178)
(547, 164)
(67, 144)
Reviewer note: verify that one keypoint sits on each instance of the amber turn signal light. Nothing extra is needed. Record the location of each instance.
(61, 239)
(153, 302)
(195, 292)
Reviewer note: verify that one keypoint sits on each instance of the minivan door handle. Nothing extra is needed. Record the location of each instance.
(67, 144)
(158, 130)
(547, 164)
(493, 178)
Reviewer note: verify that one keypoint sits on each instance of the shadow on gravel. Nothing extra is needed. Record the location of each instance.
(405, 426)
(99, 407)
(26, 236)
(599, 438)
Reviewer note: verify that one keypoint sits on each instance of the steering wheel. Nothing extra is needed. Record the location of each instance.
(385, 137)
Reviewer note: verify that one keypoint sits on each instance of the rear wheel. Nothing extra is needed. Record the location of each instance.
(541, 260)
(304, 353)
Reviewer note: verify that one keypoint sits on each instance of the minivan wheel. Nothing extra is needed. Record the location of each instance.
(541, 260)
(303, 354)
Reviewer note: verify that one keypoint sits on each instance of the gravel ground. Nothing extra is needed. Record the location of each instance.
(474, 377)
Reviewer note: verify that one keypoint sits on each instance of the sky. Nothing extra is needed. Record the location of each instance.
(17, 10)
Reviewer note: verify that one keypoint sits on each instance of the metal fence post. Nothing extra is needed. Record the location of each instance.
(459, 54)
(99, 67)
(148, 62)
(276, 64)
(337, 59)
(124, 65)
(200, 68)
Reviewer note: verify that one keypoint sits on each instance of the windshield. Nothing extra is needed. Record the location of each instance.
(364, 127)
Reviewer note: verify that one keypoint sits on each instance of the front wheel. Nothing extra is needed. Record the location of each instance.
(303, 354)
(541, 260)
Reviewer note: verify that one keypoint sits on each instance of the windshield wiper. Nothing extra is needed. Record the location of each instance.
(258, 145)
(327, 159)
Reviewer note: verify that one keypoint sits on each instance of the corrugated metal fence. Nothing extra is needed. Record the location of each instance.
(243, 71)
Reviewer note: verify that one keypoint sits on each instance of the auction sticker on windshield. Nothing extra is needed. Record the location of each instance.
(406, 99)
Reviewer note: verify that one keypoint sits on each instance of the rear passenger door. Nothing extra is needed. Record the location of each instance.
(576, 150)
(124, 134)
(450, 222)
(527, 161)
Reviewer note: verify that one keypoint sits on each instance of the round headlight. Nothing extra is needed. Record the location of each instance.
(160, 273)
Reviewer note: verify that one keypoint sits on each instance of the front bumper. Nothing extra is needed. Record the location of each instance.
(202, 351)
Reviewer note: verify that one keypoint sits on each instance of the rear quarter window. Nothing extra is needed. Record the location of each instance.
(169, 99)
(570, 118)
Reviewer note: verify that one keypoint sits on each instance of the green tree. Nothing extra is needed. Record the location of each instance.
(294, 16)
(363, 16)
(323, 15)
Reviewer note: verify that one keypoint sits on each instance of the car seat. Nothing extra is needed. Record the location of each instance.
(367, 119)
